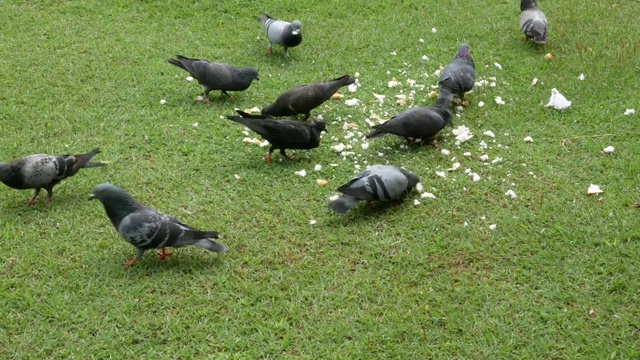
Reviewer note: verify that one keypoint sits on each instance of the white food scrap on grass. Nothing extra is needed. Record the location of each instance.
(609, 149)
(337, 96)
(394, 83)
(466, 154)
(189, 78)
(493, 226)
(394, 53)
(421, 40)
(312, 222)
(236, 176)
(489, 133)
(434, 30)
(334, 197)
(353, 87)
(364, 145)
(264, 143)
(425, 57)
(462, 133)
(475, 176)
(441, 174)
(318, 167)
(163, 101)
(199, 98)
(321, 182)
(379, 98)
(484, 157)
(581, 77)
(252, 110)
(195, 125)
(301, 173)
(511, 193)
(593, 189)
(433, 94)
(558, 101)
(534, 81)
(499, 100)
(480, 104)
(496, 160)
(629, 112)
(357, 74)
(528, 139)
(427, 195)
(351, 102)
(416, 202)
(339, 148)
(445, 152)
(454, 167)
(249, 140)
(497, 65)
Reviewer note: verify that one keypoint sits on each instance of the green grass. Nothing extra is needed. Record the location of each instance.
(557, 278)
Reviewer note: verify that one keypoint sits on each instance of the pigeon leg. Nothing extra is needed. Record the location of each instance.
(227, 94)
(33, 198)
(49, 195)
(269, 51)
(139, 253)
(206, 100)
(271, 148)
(286, 52)
(164, 254)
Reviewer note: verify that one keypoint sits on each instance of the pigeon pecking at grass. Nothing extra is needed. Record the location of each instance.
(533, 22)
(216, 76)
(416, 123)
(42, 171)
(458, 77)
(306, 97)
(146, 228)
(281, 32)
(283, 134)
(375, 183)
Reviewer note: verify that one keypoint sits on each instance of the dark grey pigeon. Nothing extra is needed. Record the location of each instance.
(281, 32)
(416, 123)
(283, 134)
(375, 183)
(216, 76)
(458, 77)
(533, 23)
(306, 97)
(146, 228)
(44, 171)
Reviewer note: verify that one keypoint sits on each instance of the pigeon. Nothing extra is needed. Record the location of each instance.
(44, 171)
(283, 134)
(146, 228)
(306, 97)
(217, 76)
(458, 77)
(375, 183)
(281, 33)
(416, 123)
(533, 23)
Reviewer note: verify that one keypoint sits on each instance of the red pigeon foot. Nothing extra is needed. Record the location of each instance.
(130, 262)
(164, 254)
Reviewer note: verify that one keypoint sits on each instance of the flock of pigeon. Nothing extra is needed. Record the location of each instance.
(146, 228)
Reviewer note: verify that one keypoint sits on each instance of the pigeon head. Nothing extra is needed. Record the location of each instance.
(412, 179)
(250, 73)
(528, 4)
(116, 201)
(297, 26)
(320, 125)
(463, 53)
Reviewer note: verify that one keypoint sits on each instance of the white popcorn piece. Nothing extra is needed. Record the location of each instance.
(338, 148)
(434, 30)
(445, 152)
(493, 226)
(499, 100)
(593, 189)
(195, 125)
(351, 102)
(380, 98)
(421, 40)
(321, 182)
(419, 187)
(312, 222)
(581, 77)
(318, 167)
(364, 145)
(199, 98)
(416, 202)
(236, 176)
(535, 81)
(437, 72)
(462, 133)
(441, 174)
(466, 154)
(511, 193)
(497, 65)
(454, 167)
(334, 197)
(352, 88)
(189, 78)
(427, 195)
(394, 53)
(163, 101)
(380, 154)
(465, 224)
(475, 176)
(492, 84)
(301, 173)
(424, 57)
(264, 143)
(629, 112)
(484, 157)
(481, 104)
(393, 83)
(357, 74)
(528, 139)
(496, 160)
(608, 149)
(489, 133)
(558, 101)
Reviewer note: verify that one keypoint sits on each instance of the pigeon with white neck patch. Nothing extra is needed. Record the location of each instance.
(146, 228)
(281, 32)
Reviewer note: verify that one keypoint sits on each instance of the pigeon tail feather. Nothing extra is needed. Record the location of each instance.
(211, 245)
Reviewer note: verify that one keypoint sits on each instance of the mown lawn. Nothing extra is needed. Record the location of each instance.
(556, 278)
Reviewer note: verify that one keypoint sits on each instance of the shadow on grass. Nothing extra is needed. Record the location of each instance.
(150, 264)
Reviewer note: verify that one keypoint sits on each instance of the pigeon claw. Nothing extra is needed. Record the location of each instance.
(206, 100)
(269, 52)
(269, 158)
(130, 262)
(164, 254)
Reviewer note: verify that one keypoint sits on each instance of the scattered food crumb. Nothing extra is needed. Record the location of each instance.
(163, 101)
(593, 189)
(528, 139)
(441, 174)
(497, 65)
(357, 74)
(252, 110)
(445, 152)
(493, 226)
(352, 88)
(609, 149)
(301, 173)
(427, 195)
(351, 102)
(581, 77)
(629, 112)
(393, 53)
(318, 167)
(548, 56)
(535, 81)
(496, 160)
(364, 145)
(475, 177)
(236, 176)
(433, 94)
(466, 154)
(511, 193)
(334, 197)
(195, 125)
(481, 104)
(338, 148)
(424, 57)
(484, 157)
(434, 30)
(416, 202)
(462, 133)
(489, 133)
(337, 96)
(189, 78)
(312, 222)
(499, 100)
(394, 83)
(199, 98)
(321, 182)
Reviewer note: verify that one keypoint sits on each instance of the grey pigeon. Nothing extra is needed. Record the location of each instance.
(306, 97)
(283, 134)
(44, 171)
(458, 77)
(375, 183)
(146, 228)
(416, 123)
(216, 76)
(533, 23)
(281, 33)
